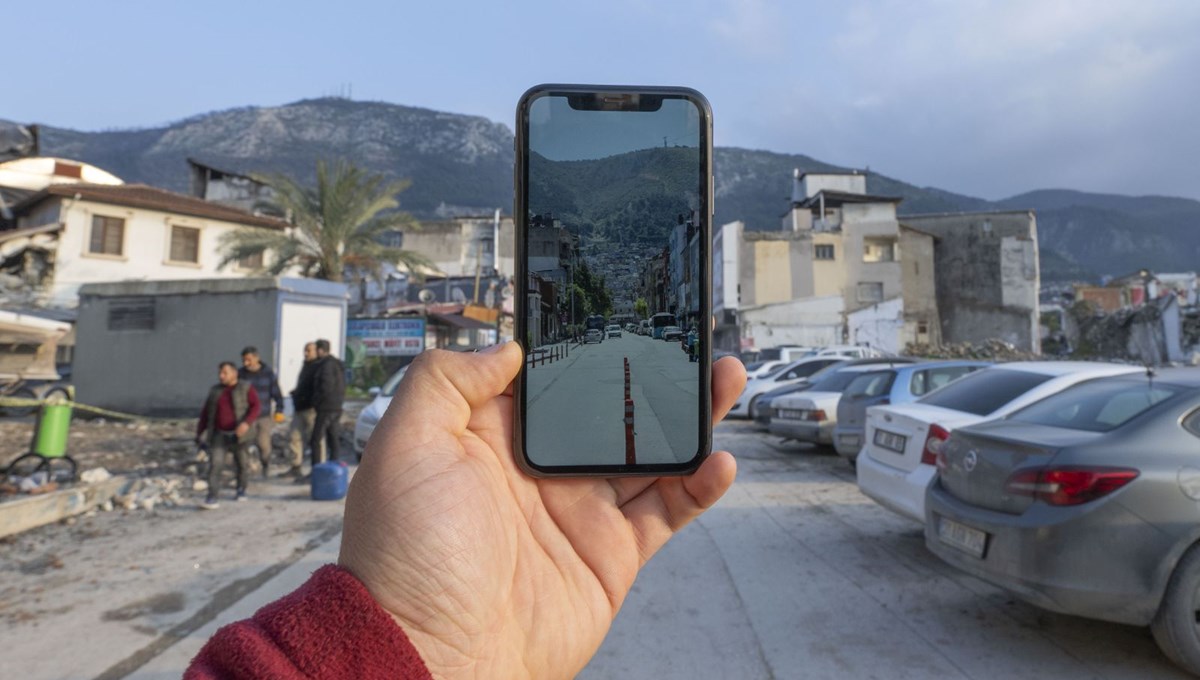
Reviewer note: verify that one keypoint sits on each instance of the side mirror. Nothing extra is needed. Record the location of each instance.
(375, 391)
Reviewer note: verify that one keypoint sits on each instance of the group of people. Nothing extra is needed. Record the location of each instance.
(238, 417)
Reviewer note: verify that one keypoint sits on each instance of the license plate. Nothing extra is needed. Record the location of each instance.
(971, 541)
(890, 440)
(790, 413)
(849, 440)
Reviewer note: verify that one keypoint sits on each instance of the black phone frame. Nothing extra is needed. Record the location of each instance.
(520, 303)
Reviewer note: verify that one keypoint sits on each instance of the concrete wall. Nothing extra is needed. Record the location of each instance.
(810, 184)
(869, 221)
(809, 322)
(146, 249)
(167, 370)
(726, 274)
(919, 283)
(879, 326)
(987, 276)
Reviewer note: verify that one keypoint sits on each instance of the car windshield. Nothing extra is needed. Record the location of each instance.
(874, 384)
(1097, 405)
(983, 392)
(805, 369)
(774, 371)
(754, 366)
(389, 387)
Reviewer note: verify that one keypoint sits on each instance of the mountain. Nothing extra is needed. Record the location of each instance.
(463, 164)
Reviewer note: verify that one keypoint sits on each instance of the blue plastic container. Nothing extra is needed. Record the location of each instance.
(329, 481)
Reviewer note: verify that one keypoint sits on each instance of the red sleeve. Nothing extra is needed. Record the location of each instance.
(255, 406)
(328, 628)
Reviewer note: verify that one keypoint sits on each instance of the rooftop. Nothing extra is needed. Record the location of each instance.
(151, 198)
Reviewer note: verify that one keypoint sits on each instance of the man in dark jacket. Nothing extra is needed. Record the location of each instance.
(263, 380)
(225, 422)
(329, 391)
(303, 413)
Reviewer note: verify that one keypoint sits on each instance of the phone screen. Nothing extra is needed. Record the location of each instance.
(614, 188)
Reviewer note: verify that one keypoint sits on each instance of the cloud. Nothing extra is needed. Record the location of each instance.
(756, 29)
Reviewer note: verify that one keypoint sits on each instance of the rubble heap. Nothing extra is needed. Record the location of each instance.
(994, 350)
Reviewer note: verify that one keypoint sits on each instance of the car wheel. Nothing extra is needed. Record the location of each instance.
(1176, 627)
(750, 409)
(20, 411)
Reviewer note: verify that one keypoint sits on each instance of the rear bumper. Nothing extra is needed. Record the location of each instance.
(848, 441)
(897, 490)
(817, 433)
(1096, 560)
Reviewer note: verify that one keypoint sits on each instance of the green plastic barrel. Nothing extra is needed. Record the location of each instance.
(53, 427)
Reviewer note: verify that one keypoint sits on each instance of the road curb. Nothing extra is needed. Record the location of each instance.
(35, 511)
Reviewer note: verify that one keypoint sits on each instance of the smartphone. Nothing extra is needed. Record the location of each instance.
(613, 210)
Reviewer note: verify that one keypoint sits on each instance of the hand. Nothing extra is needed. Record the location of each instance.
(242, 429)
(491, 573)
(279, 416)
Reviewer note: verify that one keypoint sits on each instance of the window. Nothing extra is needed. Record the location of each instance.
(870, 291)
(924, 382)
(985, 391)
(185, 244)
(252, 262)
(824, 252)
(871, 385)
(879, 250)
(108, 236)
(1097, 405)
(131, 314)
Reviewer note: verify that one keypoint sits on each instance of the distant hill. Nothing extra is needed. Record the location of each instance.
(463, 164)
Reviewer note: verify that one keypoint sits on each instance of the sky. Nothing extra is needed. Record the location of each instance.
(989, 98)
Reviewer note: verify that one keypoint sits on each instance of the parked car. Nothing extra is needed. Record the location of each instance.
(1084, 503)
(786, 375)
(762, 409)
(369, 417)
(889, 385)
(896, 465)
(614, 331)
(592, 335)
(759, 369)
(810, 415)
(672, 333)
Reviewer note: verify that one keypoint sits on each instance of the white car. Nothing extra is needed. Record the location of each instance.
(787, 375)
(593, 335)
(613, 331)
(897, 462)
(810, 416)
(759, 369)
(369, 417)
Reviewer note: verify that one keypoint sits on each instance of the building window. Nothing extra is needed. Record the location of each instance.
(824, 252)
(252, 262)
(108, 236)
(185, 244)
(131, 314)
(879, 250)
(870, 291)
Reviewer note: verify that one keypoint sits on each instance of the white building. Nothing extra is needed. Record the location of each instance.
(68, 235)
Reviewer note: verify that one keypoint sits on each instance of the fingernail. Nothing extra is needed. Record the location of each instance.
(493, 349)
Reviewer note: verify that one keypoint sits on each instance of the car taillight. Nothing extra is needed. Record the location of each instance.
(935, 444)
(816, 416)
(1068, 485)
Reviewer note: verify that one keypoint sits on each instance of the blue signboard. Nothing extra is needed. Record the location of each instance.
(386, 337)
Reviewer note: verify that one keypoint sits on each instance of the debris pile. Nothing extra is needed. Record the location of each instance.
(994, 350)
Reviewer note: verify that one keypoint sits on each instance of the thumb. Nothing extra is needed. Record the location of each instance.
(447, 385)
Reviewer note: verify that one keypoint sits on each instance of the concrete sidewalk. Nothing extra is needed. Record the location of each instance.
(172, 662)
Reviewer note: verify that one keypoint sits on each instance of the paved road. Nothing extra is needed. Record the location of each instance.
(577, 405)
(796, 575)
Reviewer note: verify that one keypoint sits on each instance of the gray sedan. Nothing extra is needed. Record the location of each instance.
(1086, 503)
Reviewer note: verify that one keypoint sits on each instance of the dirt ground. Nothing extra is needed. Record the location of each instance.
(122, 583)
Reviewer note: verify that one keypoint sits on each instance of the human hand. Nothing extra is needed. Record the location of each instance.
(242, 429)
(492, 573)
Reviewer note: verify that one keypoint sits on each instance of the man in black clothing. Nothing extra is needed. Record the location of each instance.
(303, 414)
(328, 393)
(263, 379)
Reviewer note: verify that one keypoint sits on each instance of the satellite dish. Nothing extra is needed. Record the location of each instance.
(426, 296)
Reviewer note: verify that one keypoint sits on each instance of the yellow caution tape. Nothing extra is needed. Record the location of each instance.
(15, 401)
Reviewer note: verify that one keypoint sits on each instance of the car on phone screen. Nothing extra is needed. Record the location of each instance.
(592, 335)
(672, 333)
(613, 331)
(1085, 503)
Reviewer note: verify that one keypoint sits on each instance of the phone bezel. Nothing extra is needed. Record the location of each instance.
(520, 308)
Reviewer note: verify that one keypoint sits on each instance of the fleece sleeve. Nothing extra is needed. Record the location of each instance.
(328, 628)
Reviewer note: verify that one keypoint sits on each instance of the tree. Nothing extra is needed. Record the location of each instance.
(337, 226)
(641, 308)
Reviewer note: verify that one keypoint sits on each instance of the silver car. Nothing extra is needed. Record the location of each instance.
(1085, 503)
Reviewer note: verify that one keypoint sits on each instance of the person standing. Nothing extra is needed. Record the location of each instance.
(225, 422)
(266, 384)
(303, 413)
(329, 391)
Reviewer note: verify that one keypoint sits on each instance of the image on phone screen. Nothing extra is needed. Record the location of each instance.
(616, 260)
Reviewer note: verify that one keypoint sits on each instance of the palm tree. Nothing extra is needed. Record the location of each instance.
(337, 226)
